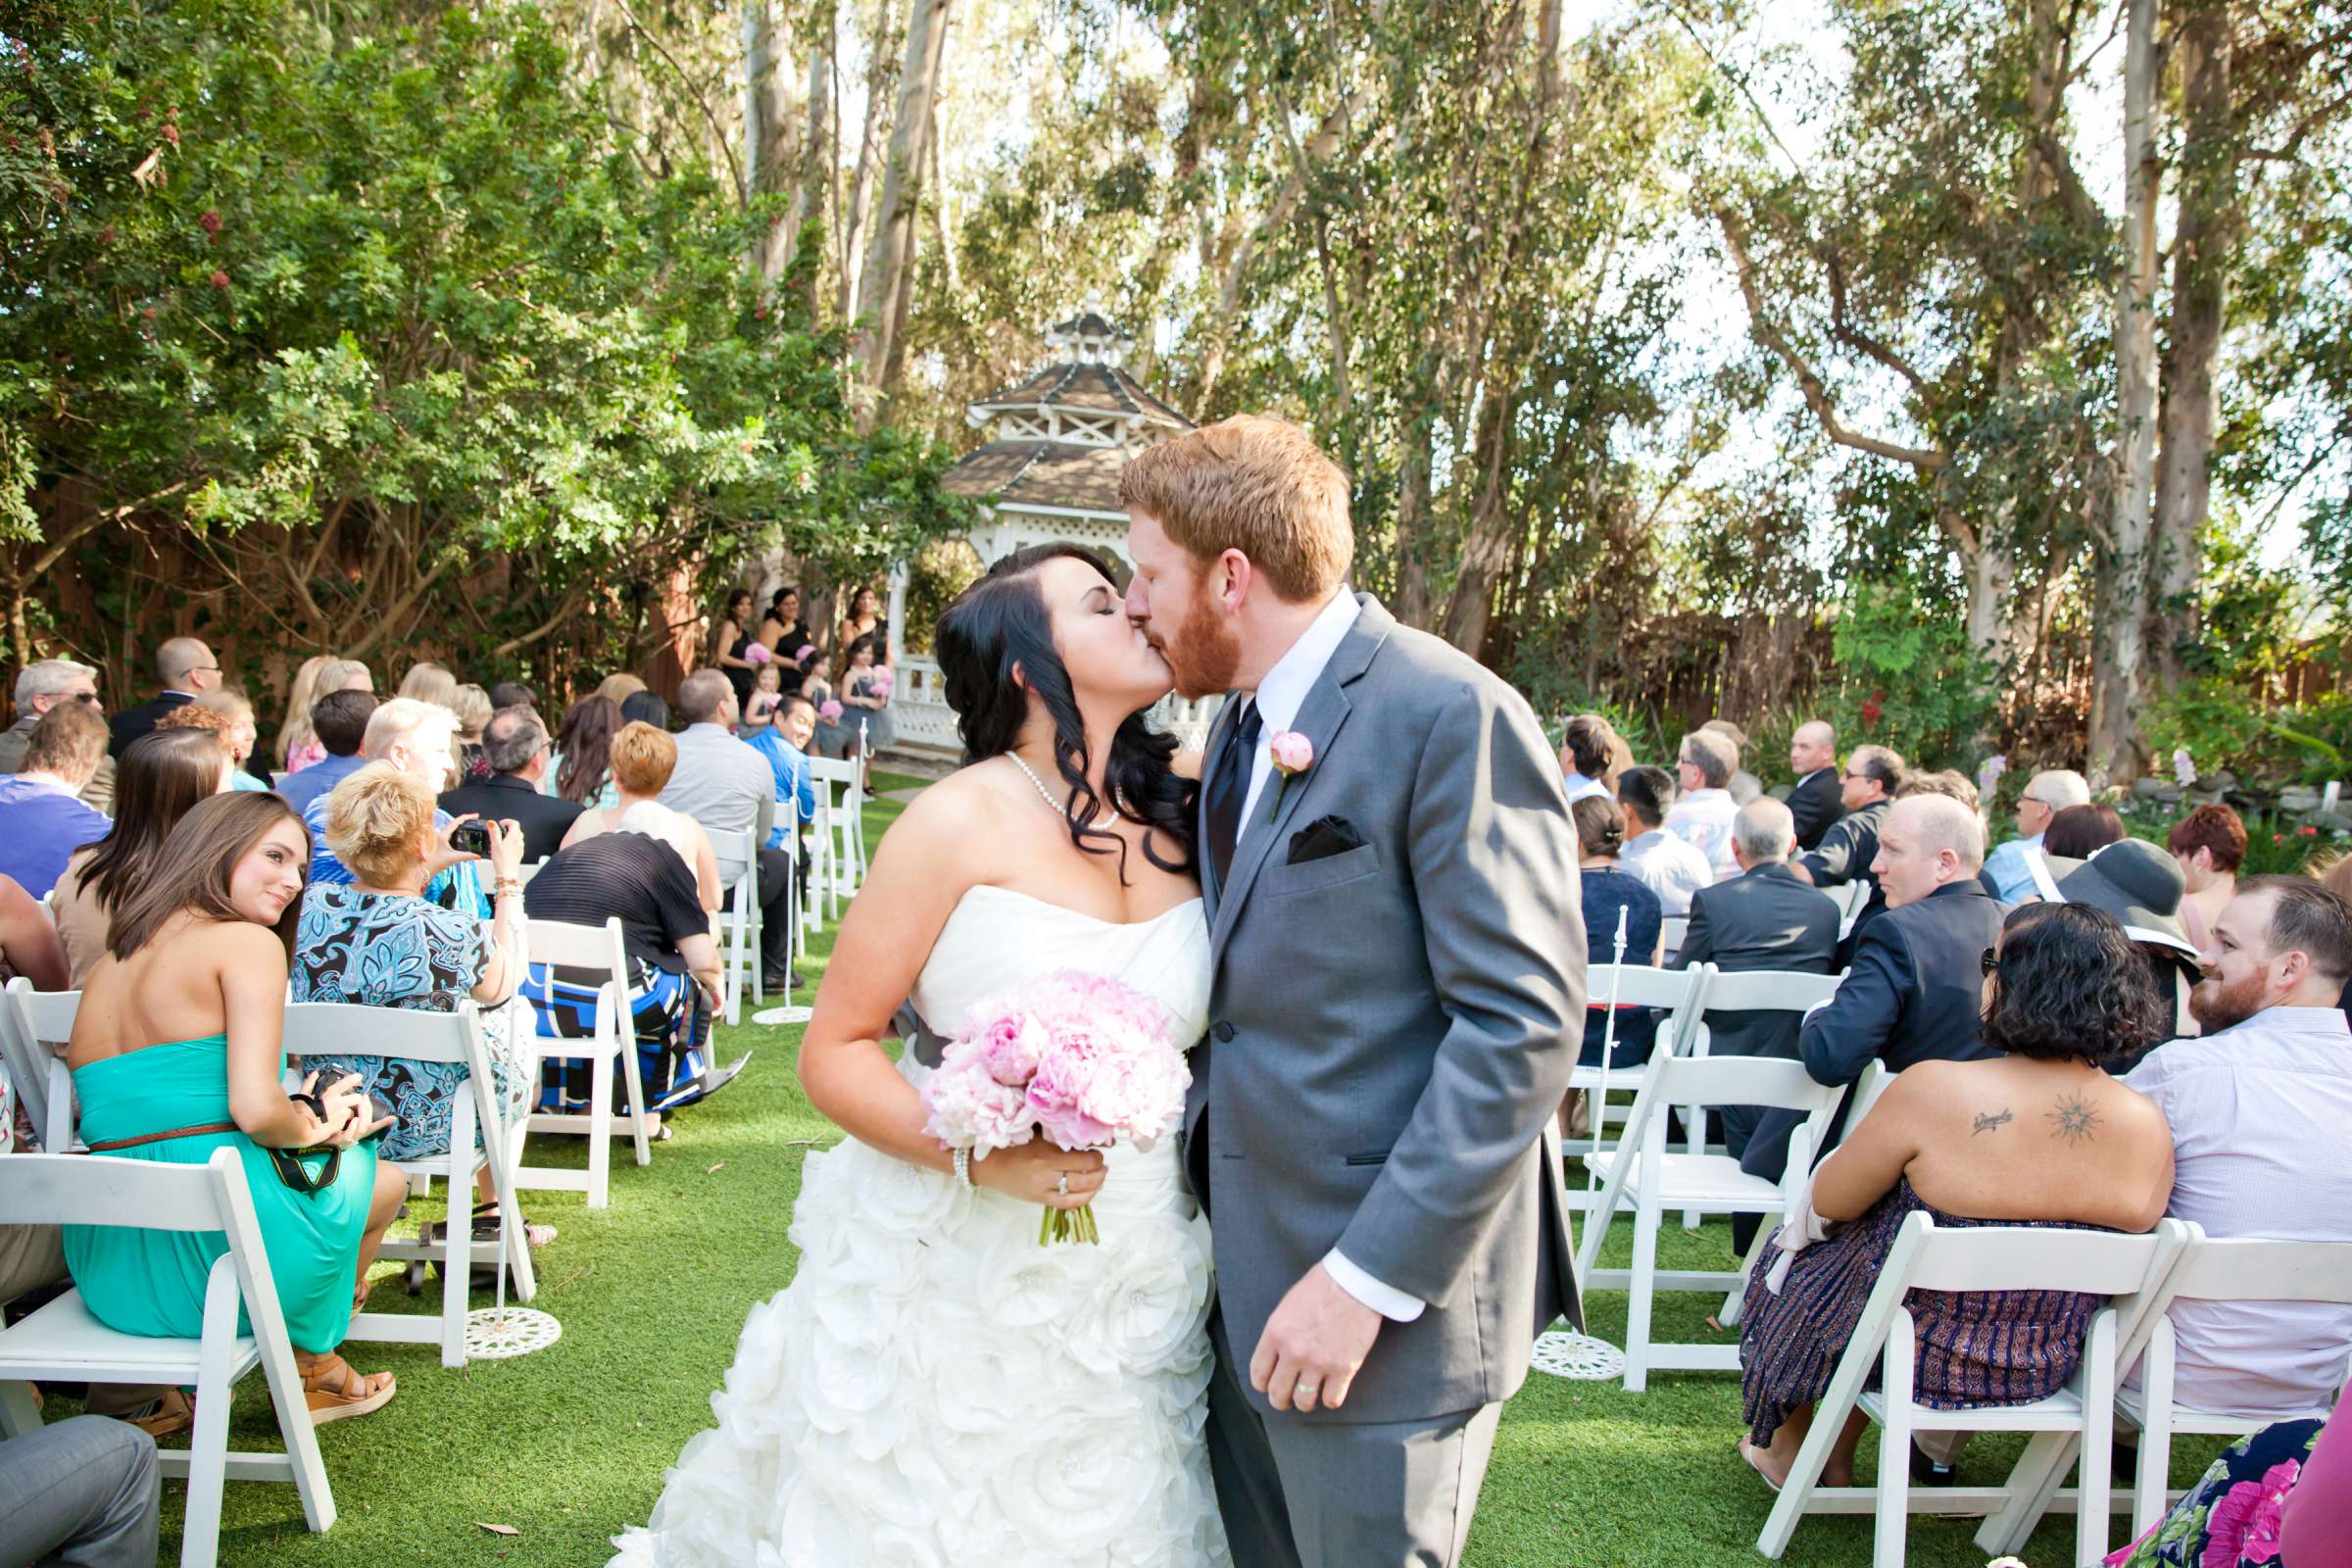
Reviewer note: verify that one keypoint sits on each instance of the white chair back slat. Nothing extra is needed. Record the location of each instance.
(1640, 984)
(2023, 1258)
(599, 951)
(136, 1195)
(1742, 1081)
(30, 1021)
(1770, 991)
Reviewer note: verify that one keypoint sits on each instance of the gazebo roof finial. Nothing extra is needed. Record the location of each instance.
(1090, 337)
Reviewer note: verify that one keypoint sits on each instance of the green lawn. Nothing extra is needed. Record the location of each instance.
(567, 1445)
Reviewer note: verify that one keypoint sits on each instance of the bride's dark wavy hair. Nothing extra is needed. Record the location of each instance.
(1001, 623)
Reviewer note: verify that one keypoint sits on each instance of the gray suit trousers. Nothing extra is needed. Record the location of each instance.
(1343, 1494)
(83, 1493)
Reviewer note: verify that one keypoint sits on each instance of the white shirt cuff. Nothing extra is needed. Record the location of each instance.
(1386, 1300)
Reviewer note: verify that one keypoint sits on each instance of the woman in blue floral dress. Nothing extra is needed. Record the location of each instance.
(378, 942)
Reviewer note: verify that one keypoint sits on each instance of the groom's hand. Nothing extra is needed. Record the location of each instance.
(1313, 1345)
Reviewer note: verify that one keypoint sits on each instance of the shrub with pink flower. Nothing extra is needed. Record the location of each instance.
(1085, 1059)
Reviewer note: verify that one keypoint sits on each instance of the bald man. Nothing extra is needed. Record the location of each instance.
(1815, 803)
(187, 669)
(1912, 992)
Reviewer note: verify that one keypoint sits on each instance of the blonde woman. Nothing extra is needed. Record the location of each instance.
(472, 707)
(242, 735)
(430, 682)
(297, 743)
(618, 689)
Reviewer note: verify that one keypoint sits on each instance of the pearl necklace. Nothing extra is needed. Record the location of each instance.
(1058, 807)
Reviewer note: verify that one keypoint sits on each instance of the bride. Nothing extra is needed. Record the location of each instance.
(934, 1387)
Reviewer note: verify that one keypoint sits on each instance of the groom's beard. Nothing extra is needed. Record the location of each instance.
(1204, 653)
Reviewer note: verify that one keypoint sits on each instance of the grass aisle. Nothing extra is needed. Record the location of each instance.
(566, 1447)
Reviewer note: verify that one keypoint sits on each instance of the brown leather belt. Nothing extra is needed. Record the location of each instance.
(113, 1144)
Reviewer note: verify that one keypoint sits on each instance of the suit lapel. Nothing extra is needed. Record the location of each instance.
(1320, 719)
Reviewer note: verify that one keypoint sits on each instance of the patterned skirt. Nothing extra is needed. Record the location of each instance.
(2231, 1516)
(1982, 1348)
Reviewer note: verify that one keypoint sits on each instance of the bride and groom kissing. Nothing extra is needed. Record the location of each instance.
(1372, 932)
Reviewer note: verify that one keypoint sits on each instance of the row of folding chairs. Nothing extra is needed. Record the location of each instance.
(2142, 1277)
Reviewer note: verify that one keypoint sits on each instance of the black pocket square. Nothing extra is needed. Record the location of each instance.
(1323, 838)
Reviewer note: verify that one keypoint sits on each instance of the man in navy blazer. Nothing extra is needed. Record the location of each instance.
(1913, 992)
(1764, 918)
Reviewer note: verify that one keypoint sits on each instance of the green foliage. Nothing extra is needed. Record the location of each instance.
(1906, 678)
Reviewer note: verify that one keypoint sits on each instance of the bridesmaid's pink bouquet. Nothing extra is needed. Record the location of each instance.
(1083, 1059)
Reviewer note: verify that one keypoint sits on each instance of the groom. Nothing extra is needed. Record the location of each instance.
(1398, 1000)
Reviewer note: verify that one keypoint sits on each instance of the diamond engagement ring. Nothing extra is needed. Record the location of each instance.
(1061, 1185)
(1307, 1389)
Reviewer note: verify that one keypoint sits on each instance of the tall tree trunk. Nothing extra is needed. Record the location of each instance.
(2202, 242)
(2118, 754)
(1486, 544)
(857, 210)
(879, 349)
(1413, 482)
(812, 176)
(769, 125)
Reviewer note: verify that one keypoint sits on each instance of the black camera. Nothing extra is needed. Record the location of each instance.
(471, 838)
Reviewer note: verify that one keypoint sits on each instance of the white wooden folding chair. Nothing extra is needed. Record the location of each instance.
(30, 1021)
(1976, 1259)
(842, 826)
(2207, 1269)
(62, 1343)
(740, 928)
(412, 1034)
(1714, 1184)
(1675, 993)
(1746, 991)
(601, 952)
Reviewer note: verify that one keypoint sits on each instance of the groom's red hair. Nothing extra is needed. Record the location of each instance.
(1254, 484)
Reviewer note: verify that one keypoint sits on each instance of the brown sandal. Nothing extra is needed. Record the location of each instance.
(337, 1392)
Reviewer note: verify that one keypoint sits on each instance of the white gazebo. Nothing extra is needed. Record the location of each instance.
(1050, 471)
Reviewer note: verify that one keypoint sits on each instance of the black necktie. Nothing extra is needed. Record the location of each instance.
(1229, 787)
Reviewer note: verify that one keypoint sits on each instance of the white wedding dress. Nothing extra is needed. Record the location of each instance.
(936, 1389)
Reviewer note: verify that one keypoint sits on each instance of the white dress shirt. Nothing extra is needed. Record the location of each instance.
(2260, 1115)
(1279, 697)
(1669, 866)
(1580, 786)
(1702, 818)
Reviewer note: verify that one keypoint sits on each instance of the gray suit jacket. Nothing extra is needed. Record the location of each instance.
(1392, 1026)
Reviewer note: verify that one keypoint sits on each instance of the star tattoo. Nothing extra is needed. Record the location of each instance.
(2074, 1120)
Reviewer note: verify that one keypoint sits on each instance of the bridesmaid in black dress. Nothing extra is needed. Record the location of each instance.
(729, 640)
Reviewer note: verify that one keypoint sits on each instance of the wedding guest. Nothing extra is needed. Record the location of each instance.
(2037, 1134)
(1585, 754)
(727, 787)
(516, 744)
(42, 823)
(376, 941)
(785, 744)
(1743, 785)
(730, 637)
(2210, 843)
(242, 736)
(1610, 893)
(1851, 847)
(2282, 1495)
(1671, 867)
(1764, 918)
(1948, 782)
(513, 694)
(2047, 794)
(2251, 1101)
(472, 707)
(428, 682)
(339, 720)
(415, 738)
(580, 768)
(28, 946)
(176, 1055)
(297, 746)
(2141, 886)
(164, 775)
(1908, 996)
(618, 689)
(85, 1490)
(643, 760)
(1813, 804)
(40, 686)
(1702, 812)
(187, 669)
(646, 707)
(2079, 832)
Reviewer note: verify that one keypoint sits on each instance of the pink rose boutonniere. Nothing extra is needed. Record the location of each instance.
(1293, 754)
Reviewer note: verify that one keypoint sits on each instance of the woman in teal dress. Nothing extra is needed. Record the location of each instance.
(178, 1051)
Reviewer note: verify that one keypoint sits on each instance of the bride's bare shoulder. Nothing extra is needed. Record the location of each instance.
(1187, 763)
(959, 812)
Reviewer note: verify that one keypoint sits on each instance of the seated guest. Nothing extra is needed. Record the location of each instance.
(187, 669)
(2210, 843)
(414, 737)
(513, 694)
(1701, 816)
(428, 682)
(2079, 832)
(646, 707)
(1744, 786)
(297, 746)
(2038, 1135)
(785, 744)
(2047, 793)
(177, 1054)
(1584, 756)
(1851, 847)
(672, 959)
(40, 686)
(1668, 864)
(242, 735)
(643, 760)
(579, 770)
(2281, 1496)
(1764, 918)
(2141, 886)
(1813, 803)
(1948, 782)
(516, 744)
(42, 823)
(727, 787)
(85, 1490)
(472, 707)
(163, 774)
(1612, 893)
(2261, 1111)
(1909, 996)
(28, 946)
(339, 719)
(618, 689)
(375, 942)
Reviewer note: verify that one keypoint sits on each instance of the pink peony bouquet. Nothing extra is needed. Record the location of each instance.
(756, 654)
(803, 653)
(1083, 1059)
(829, 711)
(880, 681)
